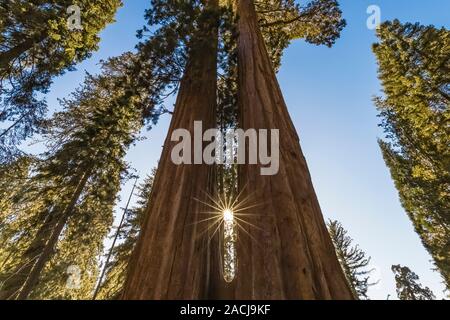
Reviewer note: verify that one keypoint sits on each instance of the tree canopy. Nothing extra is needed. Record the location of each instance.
(73, 188)
(408, 286)
(415, 111)
(37, 44)
(353, 260)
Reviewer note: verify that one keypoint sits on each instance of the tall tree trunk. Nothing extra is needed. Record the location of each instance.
(11, 286)
(50, 246)
(171, 259)
(26, 276)
(293, 256)
(8, 56)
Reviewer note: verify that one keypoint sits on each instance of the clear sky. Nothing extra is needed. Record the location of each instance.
(328, 92)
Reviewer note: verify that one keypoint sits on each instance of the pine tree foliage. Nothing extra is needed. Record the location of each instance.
(12, 177)
(121, 254)
(353, 260)
(17, 208)
(408, 286)
(415, 111)
(37, 43)
(78, 181)
(319, 22)
(86, 145)
(73, 187)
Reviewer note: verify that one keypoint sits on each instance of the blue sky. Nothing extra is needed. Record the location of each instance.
(328, 92)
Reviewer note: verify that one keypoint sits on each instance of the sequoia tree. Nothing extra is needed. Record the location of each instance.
(289, 254)
(171, 257)
(293, 257)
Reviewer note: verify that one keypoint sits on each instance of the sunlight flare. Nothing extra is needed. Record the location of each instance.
(228, 215)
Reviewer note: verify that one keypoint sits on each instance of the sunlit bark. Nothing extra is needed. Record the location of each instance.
(171, 259)
(289, 254)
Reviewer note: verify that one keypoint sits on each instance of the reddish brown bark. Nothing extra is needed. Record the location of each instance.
(293, 256)
(171, 259)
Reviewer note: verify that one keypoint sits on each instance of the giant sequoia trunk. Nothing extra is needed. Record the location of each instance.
(171, 259)
(292, 256)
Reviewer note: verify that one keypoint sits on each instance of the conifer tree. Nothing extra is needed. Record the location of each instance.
(408, 287)
(145, 284)
(294, 235)
(353, 260)
(116, 270)
(40, 40)
(415, 110)
(77, 182)
(171, 257)
(318, 22)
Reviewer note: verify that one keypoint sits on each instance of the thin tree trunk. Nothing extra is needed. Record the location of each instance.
(113, 245)
(14, 124)
(20, 285)
(171, 259)
(8, 56)
(11, 286)
(51, 244)
(293, 256)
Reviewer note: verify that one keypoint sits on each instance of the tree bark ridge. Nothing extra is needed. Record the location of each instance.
(289, 254)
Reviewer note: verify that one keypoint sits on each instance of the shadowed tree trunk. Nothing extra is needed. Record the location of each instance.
(290, 255)
(171, 259)
(21, 283)
(50, 246)
(8, 56)
(12, 285)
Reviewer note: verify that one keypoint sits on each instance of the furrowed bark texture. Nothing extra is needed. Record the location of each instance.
(290, 255)
(171, 259)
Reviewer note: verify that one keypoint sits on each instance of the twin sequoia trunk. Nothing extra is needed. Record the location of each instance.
(171, 259)
(291, 255)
